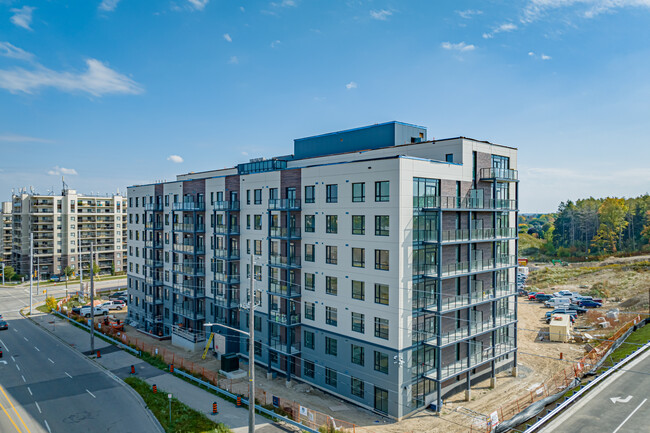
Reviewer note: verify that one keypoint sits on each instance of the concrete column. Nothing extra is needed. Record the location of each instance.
(493, 382)
(515, 371)
(468, 394)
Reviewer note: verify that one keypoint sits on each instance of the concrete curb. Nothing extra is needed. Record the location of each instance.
(110, 374)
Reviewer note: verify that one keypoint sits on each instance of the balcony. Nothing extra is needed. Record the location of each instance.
(284, 262)
(189, 206)
(189, 290)
(189, 313)
(231, 206)
(474, 329)
(188, 334)
(151, 243)
(492, 174)
(188, 249)
(153, 280)
(151, 263)
(224, 254)
(222, 229)
(477, 296)
(284, 204)
(285, 233)
(221, 277)
(472, 267)
(436, 203)
(221, 301)
(155, 300)
(284, 319)
(156, 207)
(189, 270)
(189, 228)
(280, 346)
(286, 290)
(153, 226)
(464, 235)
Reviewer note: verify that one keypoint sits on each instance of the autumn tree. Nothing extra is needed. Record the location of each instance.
(612, 215)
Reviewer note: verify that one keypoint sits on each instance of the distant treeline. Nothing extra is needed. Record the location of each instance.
(591, 227)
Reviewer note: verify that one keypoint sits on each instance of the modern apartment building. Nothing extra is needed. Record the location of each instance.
(5, 233)
(64, 228)
(383, 263)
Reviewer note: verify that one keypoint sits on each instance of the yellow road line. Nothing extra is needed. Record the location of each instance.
(12, 405)
(10, 419)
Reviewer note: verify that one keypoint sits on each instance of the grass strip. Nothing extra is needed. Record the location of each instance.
(184, 418)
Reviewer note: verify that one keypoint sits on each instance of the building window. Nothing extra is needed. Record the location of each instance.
(310, 194)
(356, 387)
(358, 290)
(381, 260)
(248, 196)
(310, 310)
(332, 193)
(308, 370)
(310, 281)
(358, 322)
(248, 222)
(381, 225)
(309, 339)
(381, 400)
(258, 222)
(358, 192)
(257, 247)
(257, 320)
(331, 316)
(310, 252)
(357, 354)
(381, 328)
(331, 346)
(330, 377)
(331, 223)
(358, 224)
(257, 272)
(381, 294)
(358, 257)
(449, 157)
(310, 223)
(331, 254)
(331, 285)
(258, 348)
(257, 194)
(381, 362)
(273, 194)
(381, 191)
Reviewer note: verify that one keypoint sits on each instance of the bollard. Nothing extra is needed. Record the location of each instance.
(99, 354)
(561, 355)
(155, 389)
(214, 408)
(238, 401)
(133, 369)
(171, 368)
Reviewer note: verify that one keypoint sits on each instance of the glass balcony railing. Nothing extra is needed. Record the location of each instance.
(473, 266)
(224, 254)
(191, 270)
(189, 206)
(189, 290)
(283, 232)
(282, 261)
(189, 228)
(281, 346)
(221, 277)
(153, 280)
(189, 312)
(284, 204)
(473, 329)
(153, 263)
(284, 319)
(153, 207)
(226, 205)
(221, 301)
(503, 174)
(223, 229)
(462, 203)
(477, 296)
(189, 249)
(277, 288)
(465, 235)
(151, 243)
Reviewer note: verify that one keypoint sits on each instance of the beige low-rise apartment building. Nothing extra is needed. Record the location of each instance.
(5, 233)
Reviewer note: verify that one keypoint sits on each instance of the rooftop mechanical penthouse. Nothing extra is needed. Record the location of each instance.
(384, 263)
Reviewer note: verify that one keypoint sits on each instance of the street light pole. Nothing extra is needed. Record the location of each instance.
(92, 299)
(81, 272)
(251, 352)
(31, 269)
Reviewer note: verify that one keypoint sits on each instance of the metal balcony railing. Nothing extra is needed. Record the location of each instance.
(188, 334)
(286, 204)
(226, 205)
(462, 203)
(283, 232)
(189, 228)
(284, 319)
(153, 207)
(189, 206)
(189, 312)
(283, 261)
(502, 174)
(278, 288)
(222, 229)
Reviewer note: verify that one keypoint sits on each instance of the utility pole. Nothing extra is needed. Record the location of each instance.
(3, 273)
(38, 275)
(251, 353)
(81, 272)
(92, 299)
(31, 269)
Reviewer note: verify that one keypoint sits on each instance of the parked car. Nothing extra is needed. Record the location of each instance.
(590, 304)
(558, 302)
(571, 313)
(571, 317)
(116, 304)
(99, 311)
(577, 299)
(117, 294)
(76, 310)
(564, 293)
(4, 325)
(533, 295)
(543, 297)
(576, 308)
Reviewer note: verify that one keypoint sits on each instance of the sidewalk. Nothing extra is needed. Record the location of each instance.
(119, 363)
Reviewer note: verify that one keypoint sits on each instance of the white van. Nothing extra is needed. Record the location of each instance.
(558, 302)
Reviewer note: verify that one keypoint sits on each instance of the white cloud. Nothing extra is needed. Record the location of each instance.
(59, 171)
(108, 5)
(285, 4)
(469, 13)
(227, 37)
(241, 8)
(22, 17)
(461, 46)
(586, 8)
(198, 5)
(274, 44)
(177, 159)
(13, 52)
(351, 85)
(381, 15)
(530, 53)
(507, 27)
(545, 57)
(97, 80)
(233, 60)
(23, 139)
(244, 153)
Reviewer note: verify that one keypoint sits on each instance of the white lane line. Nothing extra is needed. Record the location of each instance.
(13, 359)
(23, 378)
(629, 416)
(50, 360)
(30, 391)
(48, 427)
(38, 407)
(4, 345)
(96, 397)
(25, 338)
(18, 367)
(68, 374)
(15, 330)
(36, 349)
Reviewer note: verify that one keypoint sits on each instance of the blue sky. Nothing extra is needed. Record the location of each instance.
(119, 92)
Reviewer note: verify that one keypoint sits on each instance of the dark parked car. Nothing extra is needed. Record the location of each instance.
(571, 313)
(590, 304)
(4, 325)
(76, 310)
(543, 297)
(576, 308)
(117, 295)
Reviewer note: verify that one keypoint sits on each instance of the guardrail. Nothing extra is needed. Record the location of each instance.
(245, 401)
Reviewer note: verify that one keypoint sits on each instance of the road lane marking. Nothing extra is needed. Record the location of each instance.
(621, 400)
(38, 407)
(36, 349)
(23, 378)
(9, 416)
(25, 338)
(48, 426)
(18, 367)
(50, 360)
(12, 406)
(68, 374)
(13, 359)
(629, 416)
(90, 393)
(30, 391)
(4, 345)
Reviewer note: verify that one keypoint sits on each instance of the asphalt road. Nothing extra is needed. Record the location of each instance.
(596, 412)
(46, 386)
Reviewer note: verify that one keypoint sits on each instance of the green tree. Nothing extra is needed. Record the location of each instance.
(10, 273)
(67, 271)
(50, 302)
(612, 214)
(645, 233)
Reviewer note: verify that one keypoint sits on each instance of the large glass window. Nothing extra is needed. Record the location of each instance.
(310, 310)
(357, 354)
(381, 328)
(257, 196)
(331, 285)
(358, 322)
(310, 252)
(381, 362)
(331, 256)
(382, 191)
(356, 387)
(332, 193)
(358, 192)
(310, 281)
(358, 290)
(381, 294)
(330, 377)
(308, 369)
(381, 225)
(381, 260)
(331, 346)
(310, 223)
(258, 222)
(358, 257)
(310, 194)
(381, 400)
(331, 223)
(309, 339)
(426, 192)
(331, 317)
(358, 224)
